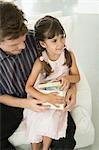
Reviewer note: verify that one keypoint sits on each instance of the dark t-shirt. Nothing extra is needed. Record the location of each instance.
(14, 72)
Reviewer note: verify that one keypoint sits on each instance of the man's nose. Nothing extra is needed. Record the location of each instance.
(21, 45)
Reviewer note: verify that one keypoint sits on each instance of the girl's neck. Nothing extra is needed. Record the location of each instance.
(53, 57)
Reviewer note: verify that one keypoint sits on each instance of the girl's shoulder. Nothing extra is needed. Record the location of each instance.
(38, 63)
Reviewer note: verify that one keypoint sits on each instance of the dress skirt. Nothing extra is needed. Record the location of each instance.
(50, 123)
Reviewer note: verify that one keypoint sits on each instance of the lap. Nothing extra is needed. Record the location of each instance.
(6, 145)
(10, 118)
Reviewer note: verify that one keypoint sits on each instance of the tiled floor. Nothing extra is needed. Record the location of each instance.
(84, 40)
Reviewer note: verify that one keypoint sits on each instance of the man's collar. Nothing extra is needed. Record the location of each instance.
(3, 55)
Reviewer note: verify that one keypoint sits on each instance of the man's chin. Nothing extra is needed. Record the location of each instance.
(14, 53)
(17, 52)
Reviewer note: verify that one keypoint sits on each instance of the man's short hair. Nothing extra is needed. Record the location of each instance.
(12, 21)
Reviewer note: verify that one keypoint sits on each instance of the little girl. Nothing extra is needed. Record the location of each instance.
(55, 62)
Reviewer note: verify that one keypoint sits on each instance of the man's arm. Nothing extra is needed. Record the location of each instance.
(30, 103)
(71, 97)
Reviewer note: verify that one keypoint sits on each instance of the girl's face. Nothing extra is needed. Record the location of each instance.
(55, 45)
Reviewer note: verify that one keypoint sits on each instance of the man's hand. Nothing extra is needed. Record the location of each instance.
(30, 103)
(71, 98)
(36, 105)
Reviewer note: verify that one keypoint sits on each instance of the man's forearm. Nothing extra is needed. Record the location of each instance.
(14, 101)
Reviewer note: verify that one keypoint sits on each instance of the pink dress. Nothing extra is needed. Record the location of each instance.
(51, 123)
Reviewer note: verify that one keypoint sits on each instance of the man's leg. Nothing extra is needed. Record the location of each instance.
(69, 142)
(6, 145)
(9, 120)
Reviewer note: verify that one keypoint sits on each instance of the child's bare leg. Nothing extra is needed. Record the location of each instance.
(35, 146)
(46, 142)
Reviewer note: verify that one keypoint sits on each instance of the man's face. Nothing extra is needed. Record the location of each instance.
(13, 46)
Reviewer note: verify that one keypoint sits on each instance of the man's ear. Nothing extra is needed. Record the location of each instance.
(42, 44)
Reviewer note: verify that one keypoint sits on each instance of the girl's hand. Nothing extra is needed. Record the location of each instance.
(54, 98)
(64, 82)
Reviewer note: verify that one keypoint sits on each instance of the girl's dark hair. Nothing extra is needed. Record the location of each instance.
(47, 28)
(12, 21)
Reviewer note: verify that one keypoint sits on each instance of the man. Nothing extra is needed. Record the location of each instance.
(18, 52)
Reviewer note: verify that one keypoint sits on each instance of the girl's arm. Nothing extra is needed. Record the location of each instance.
(71, 98)
(74, 75)
(31, 90)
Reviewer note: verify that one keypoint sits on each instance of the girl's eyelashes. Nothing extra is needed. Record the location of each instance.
(63, 36)
(54, 40)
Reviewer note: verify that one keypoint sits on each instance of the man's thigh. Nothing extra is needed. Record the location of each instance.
(6, 145)
(67, 143)
(10, 118)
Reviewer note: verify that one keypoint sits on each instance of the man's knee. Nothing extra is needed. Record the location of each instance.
(6, 145)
